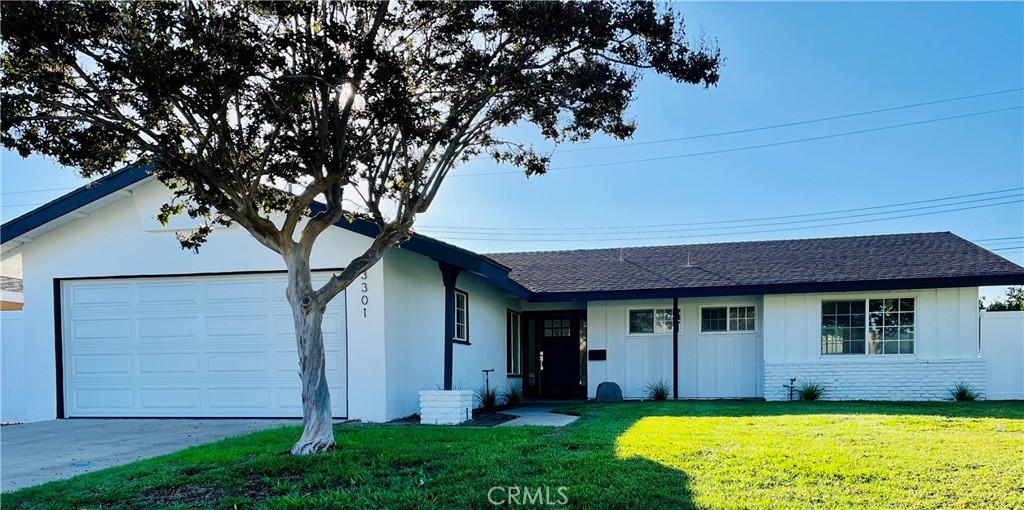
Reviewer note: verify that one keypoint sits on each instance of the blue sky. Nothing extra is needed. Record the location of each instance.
(786, 62)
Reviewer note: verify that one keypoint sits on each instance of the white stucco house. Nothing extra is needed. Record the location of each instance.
(120, 322)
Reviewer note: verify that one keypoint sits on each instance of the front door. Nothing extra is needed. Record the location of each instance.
(560, 348)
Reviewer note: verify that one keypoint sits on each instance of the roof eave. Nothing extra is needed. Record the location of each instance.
(786, 288)
(22, 229)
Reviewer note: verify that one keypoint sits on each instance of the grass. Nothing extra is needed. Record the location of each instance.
(629, 455)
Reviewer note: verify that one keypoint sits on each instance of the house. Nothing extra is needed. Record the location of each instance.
(120, 322)
(11, 295)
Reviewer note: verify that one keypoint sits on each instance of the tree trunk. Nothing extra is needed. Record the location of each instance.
(308, 313)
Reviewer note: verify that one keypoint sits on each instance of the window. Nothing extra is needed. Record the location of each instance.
(557, 328)
(868, 326)
(650, 321)
(721, 319)
(461, 316)
(514, 350)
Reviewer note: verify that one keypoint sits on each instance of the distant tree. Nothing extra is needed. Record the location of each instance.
(1014, 301)
(366, 106)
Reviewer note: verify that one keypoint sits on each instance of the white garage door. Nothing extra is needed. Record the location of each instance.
(205, 346)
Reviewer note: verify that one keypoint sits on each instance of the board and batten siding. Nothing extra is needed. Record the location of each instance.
(945, 348)
(711, 365)
(1002, 347)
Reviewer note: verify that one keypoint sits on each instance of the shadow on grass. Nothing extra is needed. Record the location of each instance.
(453, 467)
(383, 467)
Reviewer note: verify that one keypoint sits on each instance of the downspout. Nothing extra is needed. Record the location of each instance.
(449, 274)
(675, 348)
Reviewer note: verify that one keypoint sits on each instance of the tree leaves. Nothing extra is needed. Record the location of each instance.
(366, 106)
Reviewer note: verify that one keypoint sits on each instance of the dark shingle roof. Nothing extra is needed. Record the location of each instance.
(889, 258)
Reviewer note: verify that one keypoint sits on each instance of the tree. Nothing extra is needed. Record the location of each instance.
(366, 106)
(1014, 301)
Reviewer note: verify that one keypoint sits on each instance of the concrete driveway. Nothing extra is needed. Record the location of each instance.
(36, 453)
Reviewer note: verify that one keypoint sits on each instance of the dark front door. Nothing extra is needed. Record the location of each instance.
(560, 348)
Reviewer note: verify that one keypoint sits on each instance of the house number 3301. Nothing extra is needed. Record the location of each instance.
(364, 288)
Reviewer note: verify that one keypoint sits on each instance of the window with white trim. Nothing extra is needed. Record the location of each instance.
(461, 316)
(868, 326)
(650, 321)
(723, 319)
(514, 348)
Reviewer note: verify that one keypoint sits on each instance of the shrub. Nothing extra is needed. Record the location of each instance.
(963, 392)
(512, 395)
(811, 390)
(487, 398)
(659, 390)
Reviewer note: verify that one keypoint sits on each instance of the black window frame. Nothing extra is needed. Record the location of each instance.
(511, 357)
(455, 310)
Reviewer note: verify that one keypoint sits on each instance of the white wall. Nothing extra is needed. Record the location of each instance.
(415, 331)
(123, 238)
(715, 365)
(486, 349)
(12, 376)
(1002, 347)
(945, 348)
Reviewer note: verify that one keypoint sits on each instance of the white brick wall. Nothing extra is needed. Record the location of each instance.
(439, 407)
(876, 379)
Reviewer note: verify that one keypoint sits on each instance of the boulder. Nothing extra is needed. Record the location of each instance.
(609, 392)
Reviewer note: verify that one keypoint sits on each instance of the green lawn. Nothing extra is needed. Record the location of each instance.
(630, 455)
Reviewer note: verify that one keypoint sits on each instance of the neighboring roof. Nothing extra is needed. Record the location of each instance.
(899, 261)
(9, 284)
(54, 213)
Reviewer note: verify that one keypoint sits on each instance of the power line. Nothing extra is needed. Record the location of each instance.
(694, 229)
(751, 147)
(1007, 248)
(999, 238)
(737, 233)
(747, 220)
(33, 191)
(788, 124)
(777, 126)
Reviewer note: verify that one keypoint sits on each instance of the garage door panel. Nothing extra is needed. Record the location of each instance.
(236, 291)
(237, 362)
(163, 399)
(242, 397)
(164, 363)
(102, 329)
(101, 295)
(87, 364)
(107, 401)
(236, 326)
(162, 327)
(188, 347)
(168, 293)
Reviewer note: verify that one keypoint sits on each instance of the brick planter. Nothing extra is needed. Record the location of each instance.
(440, 407)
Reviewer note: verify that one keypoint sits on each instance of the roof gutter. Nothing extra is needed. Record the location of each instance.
(785, 288)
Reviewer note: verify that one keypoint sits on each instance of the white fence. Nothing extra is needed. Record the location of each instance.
(12, 406)
(1002, 346)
